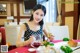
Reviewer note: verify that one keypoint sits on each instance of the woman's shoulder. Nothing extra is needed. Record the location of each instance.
(24, 25)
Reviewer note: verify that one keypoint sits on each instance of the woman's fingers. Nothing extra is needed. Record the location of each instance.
(51, 38)
(32, 38)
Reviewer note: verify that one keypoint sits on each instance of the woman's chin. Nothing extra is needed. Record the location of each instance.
(37, 22)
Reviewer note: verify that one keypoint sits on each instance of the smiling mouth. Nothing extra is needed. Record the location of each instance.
(37, 19)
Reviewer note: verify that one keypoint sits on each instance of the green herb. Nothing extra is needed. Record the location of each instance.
(48, 43)
(51, 44)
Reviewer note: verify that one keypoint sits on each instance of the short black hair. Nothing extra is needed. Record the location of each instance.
(38, 6)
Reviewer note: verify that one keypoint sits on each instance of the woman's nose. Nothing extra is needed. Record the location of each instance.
(38, 17)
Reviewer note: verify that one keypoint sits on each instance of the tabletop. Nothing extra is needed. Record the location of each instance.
(19, 50)
(25, 49)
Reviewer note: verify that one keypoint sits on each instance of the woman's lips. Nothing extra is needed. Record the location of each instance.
(37, 19)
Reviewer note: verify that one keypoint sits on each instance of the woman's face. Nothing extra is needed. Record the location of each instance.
(38, 15)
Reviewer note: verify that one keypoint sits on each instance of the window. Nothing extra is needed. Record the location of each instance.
(51, 7)
(3, 10)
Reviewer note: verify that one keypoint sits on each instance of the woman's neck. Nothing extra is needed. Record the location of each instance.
(33, 22)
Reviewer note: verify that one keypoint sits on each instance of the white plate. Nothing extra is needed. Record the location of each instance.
(43, 49)
(59, 44)
(31, 49)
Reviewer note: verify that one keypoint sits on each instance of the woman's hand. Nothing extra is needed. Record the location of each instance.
(50, 36)
(31, 39)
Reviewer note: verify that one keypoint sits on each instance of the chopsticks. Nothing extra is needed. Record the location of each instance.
(76, 48)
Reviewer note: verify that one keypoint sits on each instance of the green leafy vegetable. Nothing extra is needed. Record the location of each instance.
(66, 49)
(65, 39)
(69, 49)
(63, 48)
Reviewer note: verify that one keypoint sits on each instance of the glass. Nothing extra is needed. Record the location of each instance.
(36, 44)
(38, 40)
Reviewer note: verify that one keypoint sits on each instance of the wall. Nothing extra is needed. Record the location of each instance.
(14, 9)
(71, 17)
(69, 20)
(78, 33)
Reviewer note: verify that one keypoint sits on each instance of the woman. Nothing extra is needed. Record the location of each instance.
(33, 26)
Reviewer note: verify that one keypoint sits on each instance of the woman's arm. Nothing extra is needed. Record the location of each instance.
(47, 34)
(19, 42)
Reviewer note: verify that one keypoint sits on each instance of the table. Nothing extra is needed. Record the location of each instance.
(19, 50)
(25, 49)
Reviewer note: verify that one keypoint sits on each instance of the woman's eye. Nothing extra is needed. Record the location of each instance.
(42, 15)
(37, 13)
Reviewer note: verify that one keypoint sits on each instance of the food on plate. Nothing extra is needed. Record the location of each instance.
(69, 49)
(72, 43)
(63, 48)
(65, 39)
(46, 43)
(66, 49)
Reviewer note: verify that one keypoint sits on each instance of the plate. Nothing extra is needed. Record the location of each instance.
(32, 50)
(43, 49)
(65, 43)
(77, 46)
